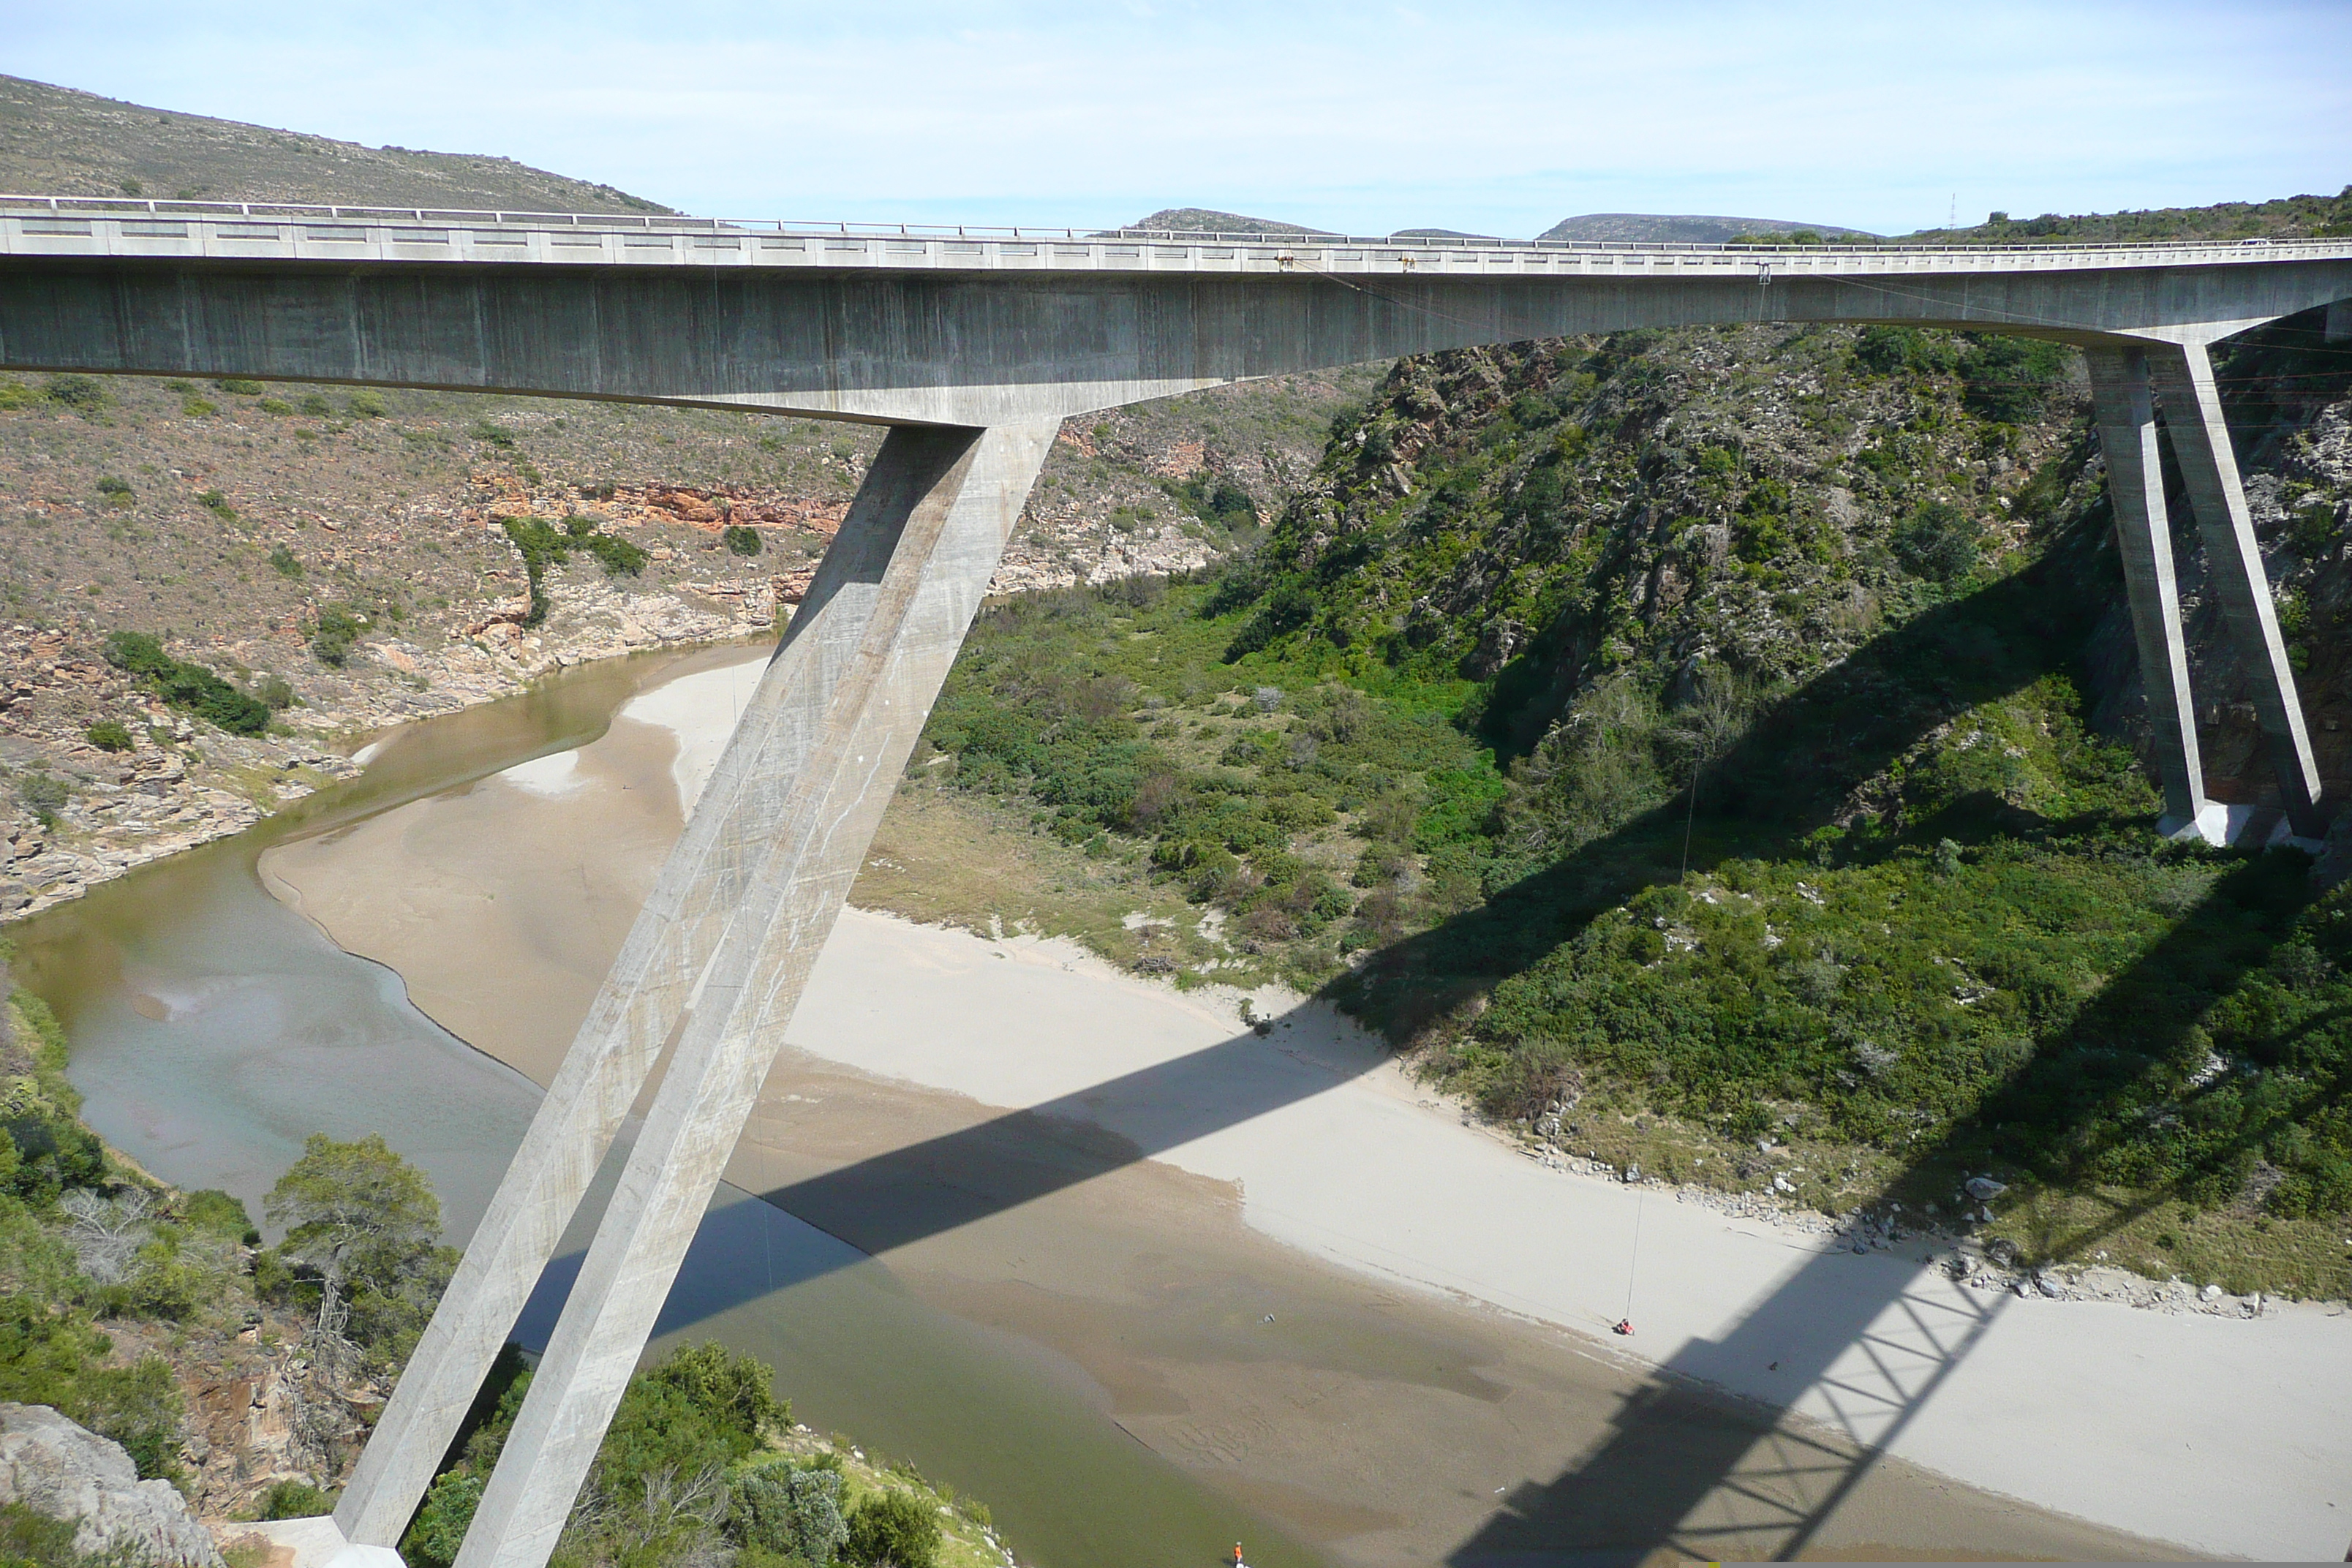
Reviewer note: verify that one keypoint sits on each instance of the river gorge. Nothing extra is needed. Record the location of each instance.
(1080, 1244)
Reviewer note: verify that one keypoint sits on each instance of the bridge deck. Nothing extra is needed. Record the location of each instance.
(72, 228)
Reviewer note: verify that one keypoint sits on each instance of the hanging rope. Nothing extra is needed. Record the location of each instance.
(1634, 1262)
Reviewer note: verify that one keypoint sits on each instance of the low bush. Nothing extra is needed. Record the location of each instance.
(190, 687)
(741, 541)
(337, 628)
(892, 1529)
(110, 735)
(294, 1499)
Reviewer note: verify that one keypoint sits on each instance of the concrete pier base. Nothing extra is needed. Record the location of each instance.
(2126, 409)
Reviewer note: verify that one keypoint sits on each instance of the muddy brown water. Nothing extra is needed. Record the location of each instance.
(213, 1030)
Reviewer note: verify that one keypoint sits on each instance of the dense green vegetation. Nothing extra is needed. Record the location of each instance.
(542, 544)
(362, 1252)
(2282, 218)
(189, 687)
(76, 1249)
(1623, 758)
(690, 1463)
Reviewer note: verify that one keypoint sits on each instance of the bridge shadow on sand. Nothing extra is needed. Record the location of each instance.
(1863, 1344)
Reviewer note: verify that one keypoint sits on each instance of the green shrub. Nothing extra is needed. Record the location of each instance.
(294, 1499)
(741, 541)
(55, 1358)
(284, 562)
(195, 408)
(318, 407)
(792, 1510)
(210, 1209)
(439, 1528)
(217, 504)
(1938, 541)
(338, 629)
(83, 394)
(360, 1219)
(733, 1390)
(495, 435)
(2010, 380)
(894, 1528)
(241, 387)
(275, 692)
(118, 492)
(44, 795)
(31, 1540)
(186, 686)
(619, 557)
(274, 406)
(364, 404)
(110, 735)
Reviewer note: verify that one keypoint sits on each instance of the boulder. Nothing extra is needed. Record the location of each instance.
(57, 1467)
(1984, 1187)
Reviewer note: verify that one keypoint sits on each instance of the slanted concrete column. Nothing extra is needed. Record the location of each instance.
(2200, 442)
(970, 485)
(2127, 416)
(667, 949)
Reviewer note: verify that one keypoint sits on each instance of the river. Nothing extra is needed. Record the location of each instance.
(1081, 1245)
(214, 1029)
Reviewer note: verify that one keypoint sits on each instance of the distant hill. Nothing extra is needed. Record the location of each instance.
(56, 140)
(1204, 220)
(1686, 227)
(2282, 218)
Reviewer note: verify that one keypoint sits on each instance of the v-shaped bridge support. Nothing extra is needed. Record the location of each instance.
(716, 960)
(2126, 383)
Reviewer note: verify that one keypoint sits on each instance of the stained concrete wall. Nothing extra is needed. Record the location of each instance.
(980, 349)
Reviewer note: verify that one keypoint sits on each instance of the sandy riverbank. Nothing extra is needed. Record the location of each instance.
(1119, 1173)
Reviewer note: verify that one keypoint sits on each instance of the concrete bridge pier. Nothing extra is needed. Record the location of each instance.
(740, 911)
(2200, 444)
(2126, 410)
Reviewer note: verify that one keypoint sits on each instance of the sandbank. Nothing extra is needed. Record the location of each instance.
(1296, 1271)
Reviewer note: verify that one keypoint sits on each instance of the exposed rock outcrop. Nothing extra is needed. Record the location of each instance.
(59, 1469)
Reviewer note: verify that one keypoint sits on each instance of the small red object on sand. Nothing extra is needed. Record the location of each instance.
(1623, 1326)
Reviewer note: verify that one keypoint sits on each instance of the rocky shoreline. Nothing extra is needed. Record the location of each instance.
(80, 814)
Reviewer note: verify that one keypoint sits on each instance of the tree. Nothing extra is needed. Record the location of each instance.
(893, 1529)
(366, 1223)
(790, 1511)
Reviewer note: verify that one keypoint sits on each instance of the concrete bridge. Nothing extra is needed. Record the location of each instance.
(972, 345)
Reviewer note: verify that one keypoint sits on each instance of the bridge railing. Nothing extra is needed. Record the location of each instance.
(127, 206)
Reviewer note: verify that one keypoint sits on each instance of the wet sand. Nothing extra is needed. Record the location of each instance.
(1116, 1172)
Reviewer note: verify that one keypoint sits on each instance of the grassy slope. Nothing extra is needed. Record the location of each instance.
(2282, 217)
(55, 140)
(1924, 929)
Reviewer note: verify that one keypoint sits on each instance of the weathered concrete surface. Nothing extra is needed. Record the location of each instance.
(2200, 443)
(642, 998)
(2126, 416)
(980, 349)
(962, 492)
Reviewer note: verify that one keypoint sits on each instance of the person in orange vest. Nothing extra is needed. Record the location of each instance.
(1238, 1556)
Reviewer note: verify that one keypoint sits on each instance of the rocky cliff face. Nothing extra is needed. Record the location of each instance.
(1564, 522)
(57, 1469)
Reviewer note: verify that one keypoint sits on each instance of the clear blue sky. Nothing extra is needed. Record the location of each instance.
(1498, 117)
